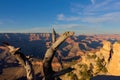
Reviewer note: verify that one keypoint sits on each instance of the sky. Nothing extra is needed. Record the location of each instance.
(80, 16)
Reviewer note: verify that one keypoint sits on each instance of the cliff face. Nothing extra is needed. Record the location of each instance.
(111, 54)
(92, 63)
(105, 50)
(35, 44)
(105, 61)
(35, 36)
(114, 65)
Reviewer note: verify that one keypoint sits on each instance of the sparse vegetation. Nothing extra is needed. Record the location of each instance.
(118, 41)
(91, 56)
(101, 65)
(85, 72)
(72, 76)
(90, 66)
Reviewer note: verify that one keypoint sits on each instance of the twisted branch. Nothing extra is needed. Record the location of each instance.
(47, 68)
(23, 60)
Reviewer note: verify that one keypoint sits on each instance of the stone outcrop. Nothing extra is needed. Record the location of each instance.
(106, 61)
(114, 65)
(35, 36)
(90, 65)
(105, 50)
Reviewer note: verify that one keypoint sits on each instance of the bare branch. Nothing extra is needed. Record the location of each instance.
(53, 36)
(47, 68)
(23, 60)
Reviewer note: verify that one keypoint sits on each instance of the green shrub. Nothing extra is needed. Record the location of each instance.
(73, 76)
(101, 66)
(85, 72)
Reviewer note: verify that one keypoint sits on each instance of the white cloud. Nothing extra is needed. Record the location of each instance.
(37, 30)
(100, 6)
(62, 17)
(60, 28)
(29, 30)
(73, 18)
(111, 18)
(106, 18)
(100, 17)
(93, 1)
(106, 11)
(7, 21)
(66, 26)
(77, 28)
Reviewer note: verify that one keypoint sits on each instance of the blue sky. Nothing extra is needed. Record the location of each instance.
(80, 16)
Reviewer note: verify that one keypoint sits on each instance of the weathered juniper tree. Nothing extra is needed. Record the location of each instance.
(22, 59)
(53, 36)
(58, 56)
(49, 74)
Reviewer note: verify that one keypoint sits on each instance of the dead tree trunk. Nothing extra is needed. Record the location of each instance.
(53, 40)
(23, 61)
(53, 36)
(26, 64)
(47, 68)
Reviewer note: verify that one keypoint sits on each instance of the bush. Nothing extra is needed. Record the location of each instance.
(72, 76)
(101, 65)
(85, 72)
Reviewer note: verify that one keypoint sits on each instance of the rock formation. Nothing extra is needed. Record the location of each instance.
(105, 50)
(114, 65)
